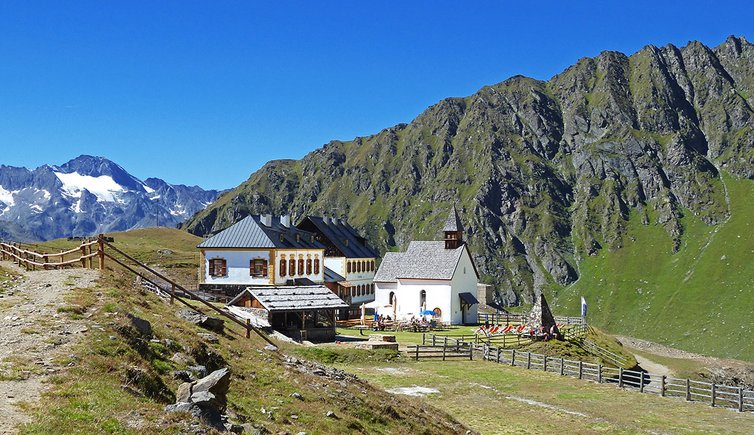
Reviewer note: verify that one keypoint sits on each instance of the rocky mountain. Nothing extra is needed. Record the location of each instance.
(545, 173)
(89, 195)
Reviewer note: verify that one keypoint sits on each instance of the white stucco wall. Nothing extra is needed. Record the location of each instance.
(464, 281)
(336, 264)
(237, 263)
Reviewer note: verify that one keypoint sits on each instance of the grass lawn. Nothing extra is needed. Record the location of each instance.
(495, 398)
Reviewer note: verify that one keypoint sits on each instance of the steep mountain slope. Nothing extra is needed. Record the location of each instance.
(89, 195)
(546, 173)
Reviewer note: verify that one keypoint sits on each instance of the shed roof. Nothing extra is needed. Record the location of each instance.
(250, 232)
(332, 276)
(422, 260)
(293, 298)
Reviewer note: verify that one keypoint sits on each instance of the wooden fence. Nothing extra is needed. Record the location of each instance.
(570, 332)
(726, 396)
(105, 249)
(83, 256)
(517, 319)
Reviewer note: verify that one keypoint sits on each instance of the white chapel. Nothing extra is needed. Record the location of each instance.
(437, 276)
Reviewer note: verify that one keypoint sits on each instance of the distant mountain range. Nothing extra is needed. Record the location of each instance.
(88, 195)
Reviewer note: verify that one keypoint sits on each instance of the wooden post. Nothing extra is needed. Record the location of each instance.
(83, 254)
(544, 364)
(424, 337)
(641, 382)
(688, 390)
(101, 251)
(581, 369)
(663, 380)
(713, 390)
(445, 341)
(513, 357)
(498, 354)
(444, 349)
(248, 322)
(599, 373)
(740, 399)
(562, 366)
(417, 353)
(433, 340)
(620, 377)
(89, 252)
(471, 352)
(528, 360)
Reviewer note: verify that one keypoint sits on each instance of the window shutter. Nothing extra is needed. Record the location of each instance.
(264, 268)
(251, 267)
(224, 268)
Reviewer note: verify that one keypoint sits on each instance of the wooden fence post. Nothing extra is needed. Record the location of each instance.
(101, 251)
(544, 364)
(740, 399)
(688, 390)
(620, 377)
(562, 366)
(498, 354)
(641, 382)
(248, 323)
(471, 352)
(599, 373)
(581, 369)
(444, 348)
(528, 360)
(713, 391)
(417, 353)
(513, 357)
(662, 385)
(433, 340)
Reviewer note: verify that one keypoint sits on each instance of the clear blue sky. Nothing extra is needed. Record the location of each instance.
(196, 93)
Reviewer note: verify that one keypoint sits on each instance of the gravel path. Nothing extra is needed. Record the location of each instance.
(33, 335)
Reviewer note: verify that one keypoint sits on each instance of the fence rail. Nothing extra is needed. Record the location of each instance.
(517, 319)
(726, 396)
(31, 260)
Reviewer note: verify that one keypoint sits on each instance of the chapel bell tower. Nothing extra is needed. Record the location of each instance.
(453, 230)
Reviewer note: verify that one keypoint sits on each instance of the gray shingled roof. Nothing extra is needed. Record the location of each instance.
(341, 235)
(251, 233)
(284, 298)
(453, 223)
(422, 260)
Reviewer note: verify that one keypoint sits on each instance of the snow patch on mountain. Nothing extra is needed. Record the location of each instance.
(6, 196)
(103, 187)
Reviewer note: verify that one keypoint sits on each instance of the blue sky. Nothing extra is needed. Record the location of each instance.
(207, 92)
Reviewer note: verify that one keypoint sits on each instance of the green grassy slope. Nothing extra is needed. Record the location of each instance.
(699, 299)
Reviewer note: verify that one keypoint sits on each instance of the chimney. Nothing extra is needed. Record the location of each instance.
(266, 220)
(285, 220)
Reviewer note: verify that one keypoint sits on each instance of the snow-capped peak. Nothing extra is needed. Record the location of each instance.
(103, 187)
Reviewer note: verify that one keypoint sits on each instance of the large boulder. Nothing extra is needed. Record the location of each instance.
(205, 398)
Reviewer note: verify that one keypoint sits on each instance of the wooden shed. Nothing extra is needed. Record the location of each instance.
(300, 312)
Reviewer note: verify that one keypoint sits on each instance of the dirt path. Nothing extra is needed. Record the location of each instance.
(33, 336)
(652, 367)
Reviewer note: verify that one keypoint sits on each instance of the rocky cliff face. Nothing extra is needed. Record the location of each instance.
(544, 172)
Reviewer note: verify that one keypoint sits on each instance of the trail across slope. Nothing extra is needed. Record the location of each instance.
(33, 335)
